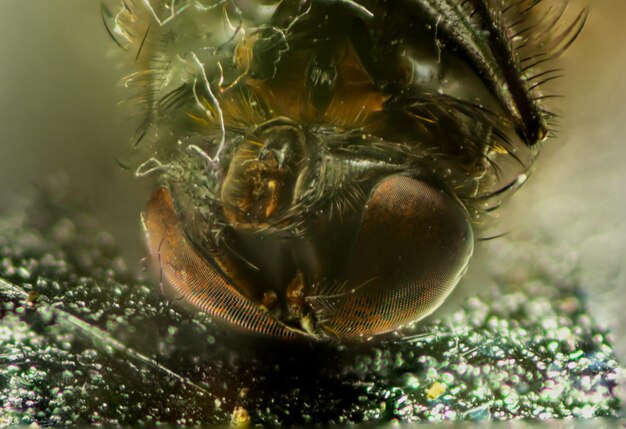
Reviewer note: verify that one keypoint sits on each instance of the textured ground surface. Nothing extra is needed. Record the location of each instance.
(81, 341)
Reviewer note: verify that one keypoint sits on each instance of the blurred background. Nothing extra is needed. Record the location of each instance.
(59, 114)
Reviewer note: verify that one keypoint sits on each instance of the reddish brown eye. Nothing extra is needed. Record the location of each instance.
(412, 248)
(204, 283)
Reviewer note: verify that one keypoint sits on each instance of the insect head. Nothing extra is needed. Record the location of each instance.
(324, 163)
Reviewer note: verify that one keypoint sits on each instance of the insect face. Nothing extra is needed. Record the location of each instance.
(324, 164)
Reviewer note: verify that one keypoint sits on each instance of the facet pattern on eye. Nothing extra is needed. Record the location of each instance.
(324, 167)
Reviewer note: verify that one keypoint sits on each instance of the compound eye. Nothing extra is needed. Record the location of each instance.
(208, 283)
(412, 248)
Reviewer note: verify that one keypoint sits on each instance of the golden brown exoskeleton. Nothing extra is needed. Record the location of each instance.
(324, 163)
